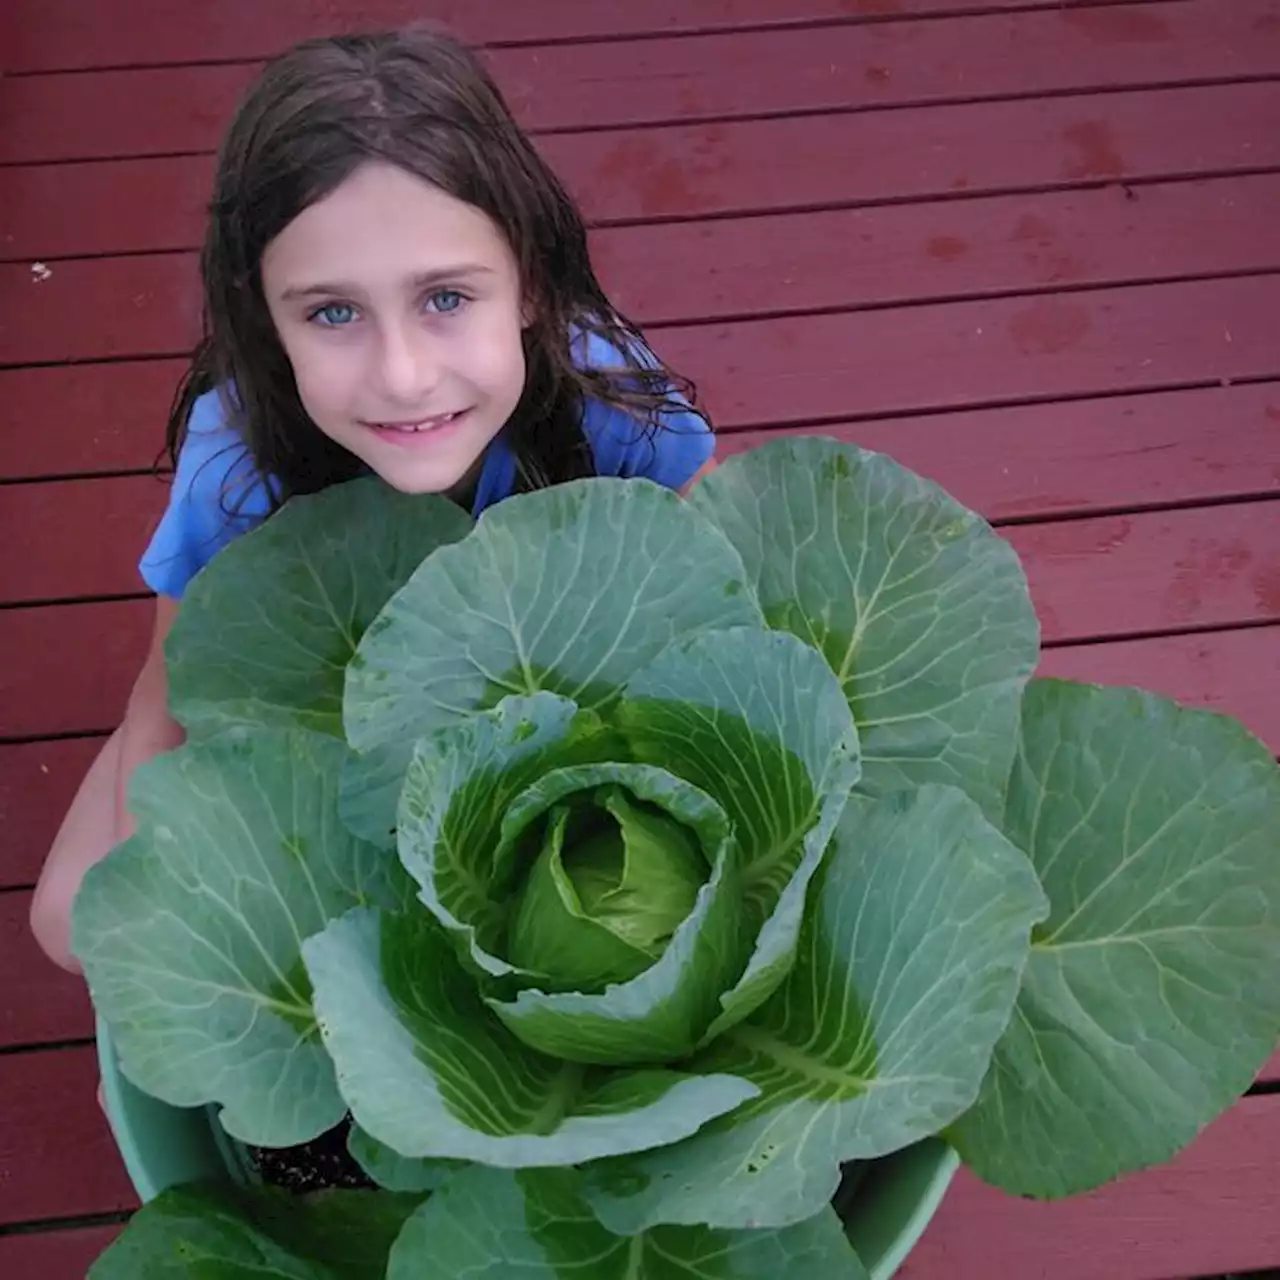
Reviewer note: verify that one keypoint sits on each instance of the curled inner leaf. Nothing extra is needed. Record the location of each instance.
(613, 881)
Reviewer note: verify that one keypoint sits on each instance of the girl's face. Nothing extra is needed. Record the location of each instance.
(400, 309)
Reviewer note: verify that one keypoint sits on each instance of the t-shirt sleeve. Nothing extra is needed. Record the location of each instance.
(670, 452)
(216, 496)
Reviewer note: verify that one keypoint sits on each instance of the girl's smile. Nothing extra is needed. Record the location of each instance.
(422, 432)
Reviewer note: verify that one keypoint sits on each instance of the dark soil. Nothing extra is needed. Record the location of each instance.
(311, 1166)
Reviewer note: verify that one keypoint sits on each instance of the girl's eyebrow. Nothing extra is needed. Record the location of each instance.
(424, 280)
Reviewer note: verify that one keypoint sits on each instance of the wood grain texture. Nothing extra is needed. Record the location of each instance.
(38, 781)
(69, 669)
(52, 35)
(57, 1156)
(80, 419)
(59, 1254)
(1215, 1209)
(1081, 456)
(738, 167)
(616, 84)
(811, 369)
(39, 1002)
(1236, 673)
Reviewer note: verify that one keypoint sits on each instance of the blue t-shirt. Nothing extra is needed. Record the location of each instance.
(217, 494)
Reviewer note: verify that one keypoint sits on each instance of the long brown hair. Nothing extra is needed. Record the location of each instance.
(419, 99)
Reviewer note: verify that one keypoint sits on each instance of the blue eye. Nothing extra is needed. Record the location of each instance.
(445, 300)
(335, 314)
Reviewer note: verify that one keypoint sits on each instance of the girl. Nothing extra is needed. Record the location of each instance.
(394, 282)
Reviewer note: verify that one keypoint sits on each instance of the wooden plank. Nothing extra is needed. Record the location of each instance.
(145, 306)
(57, 1156)
(55, 35)
(53, 1255)
(149, 305)
(766, 165)
(1110, 576)
(883, 255)
(167, 110)
(1236, 673)
(41, 1002)
(1162, 571)
(69, 670)
(755, 166)
(1214, 1209)
(109, 522)
(811, 369)
(87, 418)
(1081, 456)
(38, 781)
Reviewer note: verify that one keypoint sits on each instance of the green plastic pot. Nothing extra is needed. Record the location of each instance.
(163, 1146)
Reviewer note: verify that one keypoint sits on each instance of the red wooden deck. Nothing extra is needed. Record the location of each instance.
(1030, 247)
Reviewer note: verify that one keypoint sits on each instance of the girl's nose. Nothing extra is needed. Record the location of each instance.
(407, 367)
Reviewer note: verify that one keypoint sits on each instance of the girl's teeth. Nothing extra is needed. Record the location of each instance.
(424, 426)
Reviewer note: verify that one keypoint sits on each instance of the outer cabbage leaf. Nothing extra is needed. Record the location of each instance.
(568, 589)
(267, 628)
(488, 1224)
(190, 933)
(225, 1232)
(428, 1070)
(906, 975)
(1151, 1000)
(920, 608)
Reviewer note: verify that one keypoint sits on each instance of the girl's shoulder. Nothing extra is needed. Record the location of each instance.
(669, 452)
(216, 495)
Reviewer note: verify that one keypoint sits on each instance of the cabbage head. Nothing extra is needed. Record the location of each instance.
(628, 869)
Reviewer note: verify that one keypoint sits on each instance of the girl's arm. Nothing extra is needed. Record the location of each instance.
(98, 818)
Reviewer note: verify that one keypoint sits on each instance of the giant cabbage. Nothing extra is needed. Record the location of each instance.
(628, 868)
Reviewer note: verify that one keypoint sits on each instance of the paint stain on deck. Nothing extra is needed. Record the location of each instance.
(1043, 254)
(1205, 565)
(663, 183)
(1087, 538)
(1094, 150)
(1266, 590)
(946, 248)
(871, 8)
(1118, 26)
(1049, 326)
